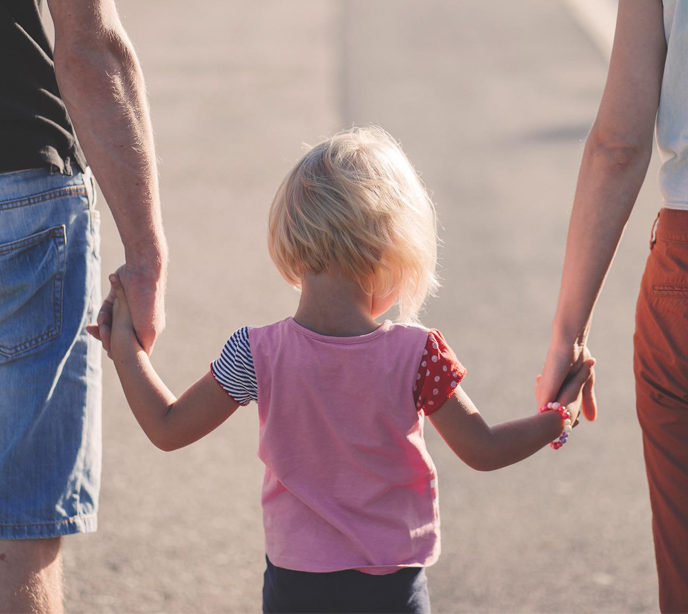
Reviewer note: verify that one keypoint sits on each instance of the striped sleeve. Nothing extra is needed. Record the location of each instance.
(234, 369)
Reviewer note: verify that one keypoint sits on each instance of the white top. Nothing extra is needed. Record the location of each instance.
(672, 119)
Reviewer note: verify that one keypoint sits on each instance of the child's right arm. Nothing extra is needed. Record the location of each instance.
(170, 423)
(486, 448)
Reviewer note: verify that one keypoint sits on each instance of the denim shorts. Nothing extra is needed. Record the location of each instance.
(50, 368)
(348, 591)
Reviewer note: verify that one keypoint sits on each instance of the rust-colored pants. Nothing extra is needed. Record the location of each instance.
(661, 375)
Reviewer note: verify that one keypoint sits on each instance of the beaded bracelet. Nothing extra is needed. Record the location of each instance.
(566, 419)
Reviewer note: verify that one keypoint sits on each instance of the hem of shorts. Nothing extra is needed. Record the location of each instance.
(676, 206)
(46, 530)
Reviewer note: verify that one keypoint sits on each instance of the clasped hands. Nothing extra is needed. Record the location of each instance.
(146, 305)
(565, 364)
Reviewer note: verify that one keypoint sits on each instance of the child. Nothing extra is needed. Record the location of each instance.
(350, 492)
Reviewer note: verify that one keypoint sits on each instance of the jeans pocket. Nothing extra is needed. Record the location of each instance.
(32, 274)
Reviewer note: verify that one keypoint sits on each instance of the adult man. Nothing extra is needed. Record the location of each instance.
(49, 270)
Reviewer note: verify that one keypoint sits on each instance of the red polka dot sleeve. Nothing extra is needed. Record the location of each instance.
(439, 374)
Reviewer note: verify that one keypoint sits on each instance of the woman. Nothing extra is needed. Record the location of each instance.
(647, 86)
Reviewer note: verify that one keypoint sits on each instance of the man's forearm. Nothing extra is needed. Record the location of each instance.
(103, 88)
(608, 185)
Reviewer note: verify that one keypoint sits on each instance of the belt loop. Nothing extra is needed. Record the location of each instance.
(653, 234)
(88, 184)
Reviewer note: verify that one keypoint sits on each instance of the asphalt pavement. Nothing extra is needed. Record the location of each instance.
(492, 102)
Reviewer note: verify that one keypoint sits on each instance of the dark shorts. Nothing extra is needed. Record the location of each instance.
(285, 590)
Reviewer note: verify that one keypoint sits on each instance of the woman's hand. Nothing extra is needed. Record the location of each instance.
(561, 367)
(571, 393)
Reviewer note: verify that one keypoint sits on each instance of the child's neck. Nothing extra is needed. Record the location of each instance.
(334, 305)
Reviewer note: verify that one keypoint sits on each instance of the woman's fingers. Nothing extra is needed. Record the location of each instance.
(572, 388)
(557, 368)
(589, 402)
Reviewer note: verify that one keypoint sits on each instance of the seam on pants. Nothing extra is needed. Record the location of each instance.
(45, 196)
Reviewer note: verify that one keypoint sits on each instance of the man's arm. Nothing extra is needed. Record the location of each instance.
(102, 86)
(615, 161)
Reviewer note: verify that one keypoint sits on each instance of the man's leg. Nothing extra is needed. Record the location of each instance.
(50, 422)
(31, 576)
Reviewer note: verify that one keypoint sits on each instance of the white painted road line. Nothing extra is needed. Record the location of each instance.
(598, 19)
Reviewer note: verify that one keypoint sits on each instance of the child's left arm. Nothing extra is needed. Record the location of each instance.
(170, 423)
(485, 447)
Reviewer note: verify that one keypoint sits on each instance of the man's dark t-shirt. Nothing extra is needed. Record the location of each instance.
(35, 130)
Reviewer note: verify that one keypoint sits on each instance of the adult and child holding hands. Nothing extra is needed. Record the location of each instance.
(350, 493)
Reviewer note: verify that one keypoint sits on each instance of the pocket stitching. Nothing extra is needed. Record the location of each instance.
(59, 237)
(670, 290)
(56, 231)
(44, 196)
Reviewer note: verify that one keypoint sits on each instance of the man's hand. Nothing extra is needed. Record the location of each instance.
(145, 292)
(561, 366)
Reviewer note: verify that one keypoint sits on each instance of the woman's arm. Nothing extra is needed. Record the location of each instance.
(170, 423)
(486, 448)
(617, 154)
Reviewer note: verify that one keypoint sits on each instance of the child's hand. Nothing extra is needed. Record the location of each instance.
(571, 392)
(123, 335)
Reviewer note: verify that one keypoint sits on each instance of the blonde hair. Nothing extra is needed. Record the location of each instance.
(354, 200)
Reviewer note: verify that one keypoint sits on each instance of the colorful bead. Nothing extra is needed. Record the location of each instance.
(566, 422)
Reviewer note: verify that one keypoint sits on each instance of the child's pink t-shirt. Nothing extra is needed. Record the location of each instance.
(349, 483)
